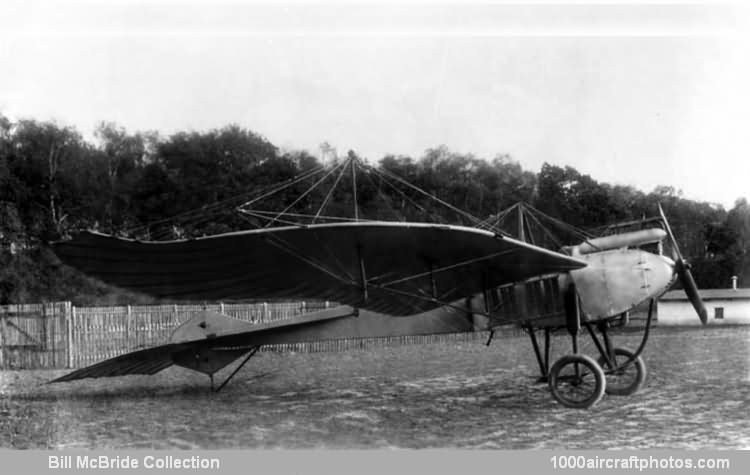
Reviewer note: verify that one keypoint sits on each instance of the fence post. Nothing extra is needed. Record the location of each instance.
(69, 332)
(128, 324)
(75, 350)
(3, 341)
(265, 312)
(221, 306)
(45, 328)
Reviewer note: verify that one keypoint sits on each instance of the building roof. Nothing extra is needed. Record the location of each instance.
(709, 294)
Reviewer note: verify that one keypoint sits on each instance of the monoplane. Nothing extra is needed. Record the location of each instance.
(393, 279)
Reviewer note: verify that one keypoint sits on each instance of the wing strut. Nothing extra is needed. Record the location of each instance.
(236, 370)
(362, 272)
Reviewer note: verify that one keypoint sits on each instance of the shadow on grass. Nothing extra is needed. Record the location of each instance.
(78, 390)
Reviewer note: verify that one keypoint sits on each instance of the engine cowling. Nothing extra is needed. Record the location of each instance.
(616, 281)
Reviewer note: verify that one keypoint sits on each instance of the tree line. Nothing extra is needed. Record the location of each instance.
(53, 182)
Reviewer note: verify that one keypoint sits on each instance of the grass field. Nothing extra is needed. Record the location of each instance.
(465, 395)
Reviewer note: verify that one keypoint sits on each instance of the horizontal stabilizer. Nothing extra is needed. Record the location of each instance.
(310, 317)
(149, 361)
(207, 324)
(207, 352)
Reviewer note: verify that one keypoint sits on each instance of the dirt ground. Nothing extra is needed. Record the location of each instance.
(463, 395)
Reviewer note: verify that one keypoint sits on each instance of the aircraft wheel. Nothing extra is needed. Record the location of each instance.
(625, 380)
(577, 381)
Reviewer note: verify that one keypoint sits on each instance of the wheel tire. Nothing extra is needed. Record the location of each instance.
(626, 380)
(577, 390)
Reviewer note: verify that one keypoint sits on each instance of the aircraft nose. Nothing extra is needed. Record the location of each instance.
(668, 261)
(616, 281)
(663, 275)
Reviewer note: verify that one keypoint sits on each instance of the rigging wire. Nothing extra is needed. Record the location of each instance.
(260, 216)
(285, 185)
(586, 237)
(473, 219)
(187, 216)
(299, 198)
(494, 222)
(497, 219)
(403, 195)
(266, 215)
(330, 193)
(577, 231)
(382, 196)
(546, 231)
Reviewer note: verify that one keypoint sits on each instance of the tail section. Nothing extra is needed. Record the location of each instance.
(207, 324)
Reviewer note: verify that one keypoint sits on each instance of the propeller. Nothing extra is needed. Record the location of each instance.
(683, 272)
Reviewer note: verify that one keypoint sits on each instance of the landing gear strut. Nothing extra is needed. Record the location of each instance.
(579, 381)
(236, 370)
(543, 361)
(576, 380)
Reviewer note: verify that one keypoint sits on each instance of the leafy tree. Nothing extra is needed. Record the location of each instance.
(41, 149)
(738, 224)
(188, 184)
(124, 155)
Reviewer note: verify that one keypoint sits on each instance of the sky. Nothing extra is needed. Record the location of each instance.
(631, 94)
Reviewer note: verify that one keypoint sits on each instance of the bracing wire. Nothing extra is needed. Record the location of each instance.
(381, 196)
(473, 219)
(404, 195)
(308, 191)
(330, 193)
(220, 206)
(385, 177)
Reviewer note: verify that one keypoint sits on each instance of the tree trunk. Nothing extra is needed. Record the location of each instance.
(51, 183)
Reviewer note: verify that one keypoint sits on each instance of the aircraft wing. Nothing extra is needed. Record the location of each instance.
(386, 267)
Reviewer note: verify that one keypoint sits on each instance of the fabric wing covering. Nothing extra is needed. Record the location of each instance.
(392, 268)
(149, 361)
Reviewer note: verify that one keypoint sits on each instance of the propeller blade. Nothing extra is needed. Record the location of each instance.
(683, 272)
(675, 248)
(691, 290)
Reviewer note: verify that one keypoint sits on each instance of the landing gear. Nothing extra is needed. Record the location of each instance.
(624, 371)
(236, 370)
(542, 361)
(211, 360)
(577, 381)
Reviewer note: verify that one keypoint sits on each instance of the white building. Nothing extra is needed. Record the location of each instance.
(725, 306)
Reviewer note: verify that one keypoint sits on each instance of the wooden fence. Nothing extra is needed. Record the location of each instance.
(59, 335)
(34, 335)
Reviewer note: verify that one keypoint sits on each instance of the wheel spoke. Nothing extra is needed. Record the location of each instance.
(577, 381)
